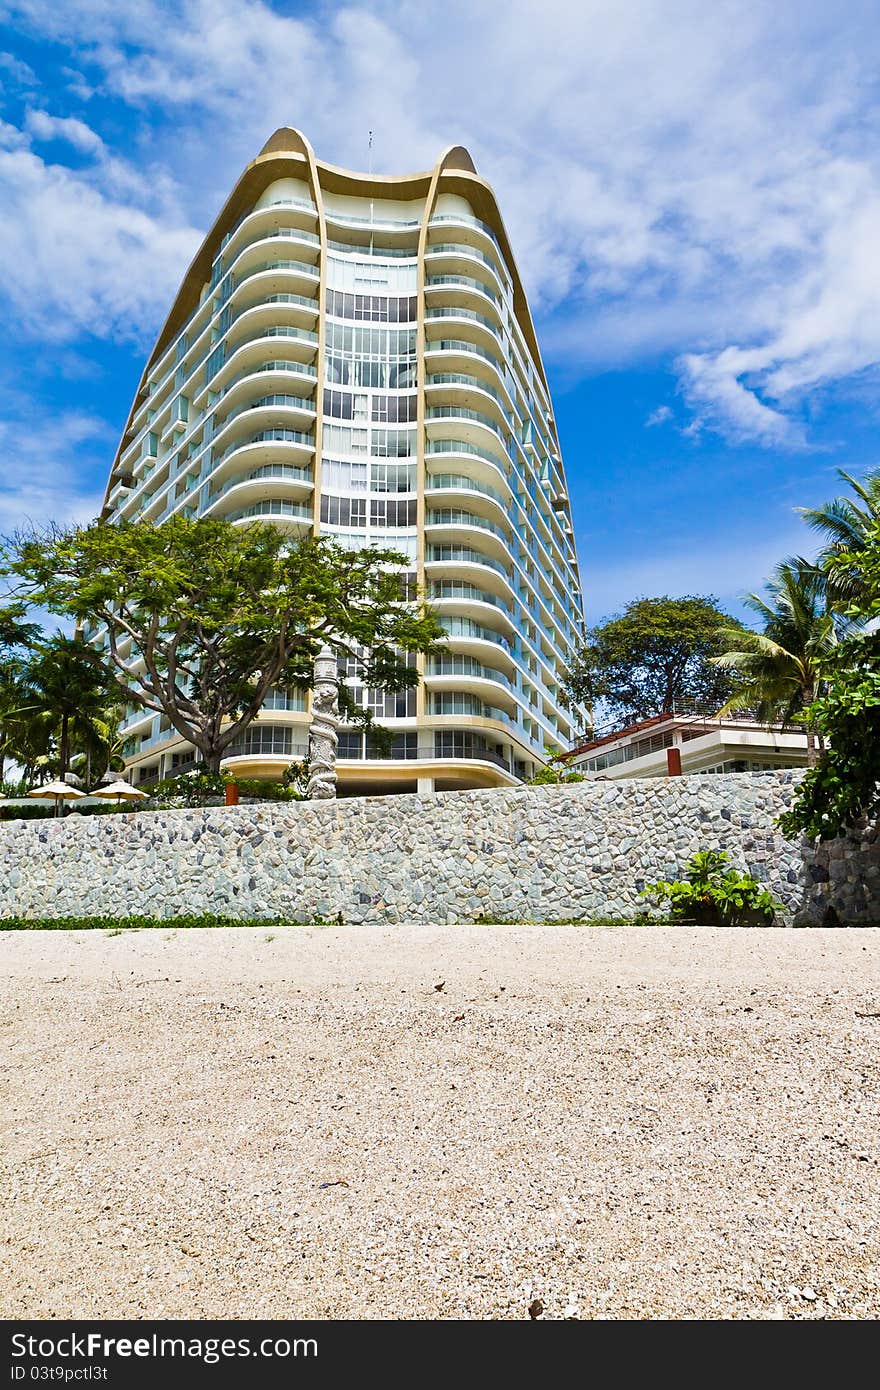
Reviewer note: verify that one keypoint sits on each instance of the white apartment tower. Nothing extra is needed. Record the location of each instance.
(353, 354)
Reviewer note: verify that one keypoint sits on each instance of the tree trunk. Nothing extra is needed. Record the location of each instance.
(64, 746)
(811, 747)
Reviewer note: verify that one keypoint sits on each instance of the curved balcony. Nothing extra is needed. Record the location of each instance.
(278, 277)
(445, 703)
(471, 226)
(277, 214)
(455, 524)
(476, 604)
(265, 243)
(468, 638)
(460, 455)
(294, 344)
(452, 387)
(458, 356)
(287, 515)
(376, 252)
(440, 590)
(469, 565)
(259, 485)
(264, 447)
(464, 674)
(466, 325)
(465, 496)
(279, 375)
(452, 257)
(459, 482)
(291, 415)
(471, 427)
(262, 311)
(464, 284)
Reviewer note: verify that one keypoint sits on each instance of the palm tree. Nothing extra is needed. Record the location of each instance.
(779, 667)
(69, 686)
(846, 525)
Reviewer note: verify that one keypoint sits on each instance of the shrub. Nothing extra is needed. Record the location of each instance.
(711, 892)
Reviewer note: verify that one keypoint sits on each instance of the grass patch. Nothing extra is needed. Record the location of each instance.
(115, 926)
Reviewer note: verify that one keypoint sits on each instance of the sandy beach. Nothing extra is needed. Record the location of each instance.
(441, 1122)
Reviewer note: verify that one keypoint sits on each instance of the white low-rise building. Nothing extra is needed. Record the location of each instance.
(674, 744)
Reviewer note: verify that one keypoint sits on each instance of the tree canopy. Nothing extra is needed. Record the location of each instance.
(845, 784)
(653, 658)
(198, 619)
(780, 667)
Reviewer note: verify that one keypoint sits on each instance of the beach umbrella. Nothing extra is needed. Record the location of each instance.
(57, 792)
(119, 791)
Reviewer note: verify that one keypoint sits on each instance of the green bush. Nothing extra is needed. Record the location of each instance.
(712, 893)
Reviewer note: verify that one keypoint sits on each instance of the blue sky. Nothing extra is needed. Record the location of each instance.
(692, 192)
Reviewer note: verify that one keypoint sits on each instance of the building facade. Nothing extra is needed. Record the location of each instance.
(697, 743)
(353, 355)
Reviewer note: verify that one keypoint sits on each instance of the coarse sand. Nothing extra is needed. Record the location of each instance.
(441, 1122)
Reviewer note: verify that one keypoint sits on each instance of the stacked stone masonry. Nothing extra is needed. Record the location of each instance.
(524, 854)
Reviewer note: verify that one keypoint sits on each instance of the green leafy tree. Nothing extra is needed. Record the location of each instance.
(846, 525)
(845, 783)
(17, 636)
(201, 618)
(555, 771)
(67, 687)
(780, 668)
(654, 658)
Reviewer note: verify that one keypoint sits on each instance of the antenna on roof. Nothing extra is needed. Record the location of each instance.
(370, 156)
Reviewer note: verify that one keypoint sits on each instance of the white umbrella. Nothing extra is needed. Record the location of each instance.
(57, 791)
(119, 791)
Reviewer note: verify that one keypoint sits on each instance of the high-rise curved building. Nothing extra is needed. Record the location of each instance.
(354, 354)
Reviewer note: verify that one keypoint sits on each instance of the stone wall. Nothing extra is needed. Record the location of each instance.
(528, 853)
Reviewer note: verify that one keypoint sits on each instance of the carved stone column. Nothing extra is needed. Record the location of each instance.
(323, 738)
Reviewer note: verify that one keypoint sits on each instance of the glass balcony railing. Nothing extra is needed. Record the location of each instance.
(453, 312)
(457, 482)
(267, 437)
(449, 589)
(301, 301)
(380, 251)
(273, 508)
(459, 248)
(466, 666)
(283, 364)
(284, 472)
(463, 220)
(464, 555)
(461, 379)
(458, 446)
(466, 627)
(460, 412)
(460, 345)
(456, 516)
(463, 282)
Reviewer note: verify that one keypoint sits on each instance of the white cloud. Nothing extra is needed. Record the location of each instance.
(681, 181)
(17, 73)
(78, 254)
(658, 416)
(42, 126)
(43, 468)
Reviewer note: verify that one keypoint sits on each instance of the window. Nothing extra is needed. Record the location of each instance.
(393, 443)
(345, 439)
(394, 409)
(343, 511)
(392, 477)
(339, 476)
(390, 513)
(372, 308)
